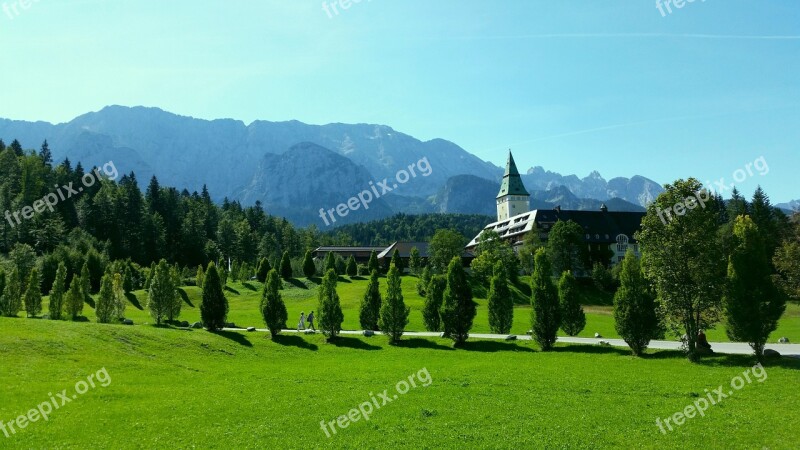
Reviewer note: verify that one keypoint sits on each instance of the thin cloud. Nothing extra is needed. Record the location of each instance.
(629, 35)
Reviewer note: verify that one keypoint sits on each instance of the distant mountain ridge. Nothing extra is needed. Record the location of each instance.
(290, 166)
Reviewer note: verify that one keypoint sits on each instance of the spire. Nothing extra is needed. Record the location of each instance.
(512, 182)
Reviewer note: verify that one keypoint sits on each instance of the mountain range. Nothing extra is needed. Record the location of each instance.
(295, 169)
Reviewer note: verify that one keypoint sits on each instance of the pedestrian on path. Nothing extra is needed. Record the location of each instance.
(302, 324)
(311, 321)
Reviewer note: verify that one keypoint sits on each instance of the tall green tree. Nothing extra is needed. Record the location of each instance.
(309, 268)
(372, 265)
(369, 312)
(352, 267)
(330, 309)
(636, 317)
(545, 310)
(56, 306)
(458, 308)
(394, 312)
(286, 267)
(683, 259)
(177, 298)
(273, 309)
(104, 308)
(3, 282)
(530, 244)
(33, 295)
(415, 261)
(397, 261)
(444, 246)
(12, 297)
(491, 250)
(501, 306)
(86, 281)
(424, 280)
(120, 301)
(432, 310)
(573, 319)
(753, 304)
(214, 305)
(200, 277)
(566, 247)
(330, 263)
(161, 296)
(74, 299)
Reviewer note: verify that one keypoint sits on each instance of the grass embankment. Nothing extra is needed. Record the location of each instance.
(182, 389)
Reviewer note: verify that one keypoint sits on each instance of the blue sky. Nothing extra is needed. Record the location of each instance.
(572, 86)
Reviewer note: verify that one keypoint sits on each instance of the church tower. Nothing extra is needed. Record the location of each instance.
(513, 199)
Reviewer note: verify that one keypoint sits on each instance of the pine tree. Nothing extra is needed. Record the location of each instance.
(56, 306)
(330, 262)
(573, 319)
(120, 301)
(397, 261)
(394, 312)
(330, 309)
(431, 312)
(200, 277)
(458, 308)
(33, 295)
(177, 299)
(309, 268)
(263, 270)
(74, 299)
(369, 312)
(12, 297)
(46, 155)
(501, 307)
(753, 304)
(286, 267)
(104, 308)
(415, 261)
(127, 280)
(545, 311)
(2, 281)
(86, 281)
(424, 281)
(373, 265)
(273, 309)
(214, 306)
(635, 310)
(162, 293)
(352, 267)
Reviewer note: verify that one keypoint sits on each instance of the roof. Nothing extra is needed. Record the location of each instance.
(599, 226)
(512, 182)
(404, 248)
(348, 249)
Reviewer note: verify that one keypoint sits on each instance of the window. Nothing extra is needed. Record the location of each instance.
(622, 243)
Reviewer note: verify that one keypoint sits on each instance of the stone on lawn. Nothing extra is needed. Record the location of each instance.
(251, 329)
(127, 322)
(197, 325)
(369, 333)
(783, 340)
(597, 336)
(511, 337)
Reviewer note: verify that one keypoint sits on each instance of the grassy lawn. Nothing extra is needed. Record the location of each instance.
(182, 389)
(300, 295)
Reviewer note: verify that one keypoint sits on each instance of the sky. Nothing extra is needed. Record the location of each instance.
(616, 86)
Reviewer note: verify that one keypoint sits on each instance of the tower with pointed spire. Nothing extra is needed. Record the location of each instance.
(513, 199)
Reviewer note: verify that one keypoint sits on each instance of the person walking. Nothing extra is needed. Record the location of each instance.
(311, 321)
(302, 324)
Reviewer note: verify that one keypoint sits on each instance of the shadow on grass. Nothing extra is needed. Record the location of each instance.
(134, 301)
(297, 283)
(722, 360)
(343, 280)
(315, 280)
(354, 343)
(494, 346)
(358, 278)
(81, 319)
(89, 301)
(232, 290)
(422, 343)
(239, 338)
(185, 297)
(249, 286)
(591, 349)
(294, 341)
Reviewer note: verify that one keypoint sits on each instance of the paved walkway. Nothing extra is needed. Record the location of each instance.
(732, 348)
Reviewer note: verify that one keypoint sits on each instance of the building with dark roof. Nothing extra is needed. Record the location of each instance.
(361, 254)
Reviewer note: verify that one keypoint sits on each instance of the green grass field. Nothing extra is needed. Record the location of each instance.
(172, 388)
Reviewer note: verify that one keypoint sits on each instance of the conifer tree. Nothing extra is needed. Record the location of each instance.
(753, 304)
(415, 261)
(373, 265)
(74, 299)
(636, 317)
(86, 281)
(127, 280)
(214, 305)
(330, 309)
(33, 295)
(424, 281)
(56, 306)
(2, 282)
(200, 277)
(286, 266)
(105, 305)
(369, 312)
(309, 268)
(161, 294)
(263, 270)
(352, 267)
(573, 319)
(501, 307)
(458, 308)
(545, 311)
(12, 297)
(177, 299)
(397, 261)
(394, 312)
(273, 309)
(120, 301)
(330, 262)
(431, 312)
